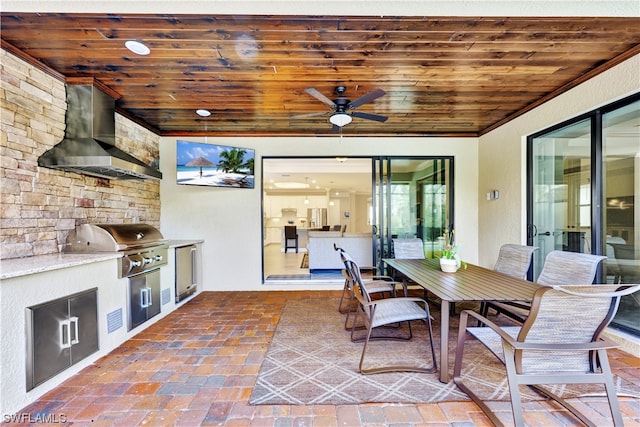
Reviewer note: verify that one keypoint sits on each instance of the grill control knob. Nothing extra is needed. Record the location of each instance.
(158, 258)
(135, 263)
(147, 261)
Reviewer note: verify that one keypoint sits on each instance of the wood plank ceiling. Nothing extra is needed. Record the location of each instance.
(449, 76)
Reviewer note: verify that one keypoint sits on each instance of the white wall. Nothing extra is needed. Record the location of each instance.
(229, 220)
(502, 154)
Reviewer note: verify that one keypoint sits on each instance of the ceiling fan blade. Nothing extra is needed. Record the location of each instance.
(317, 113)
(316, 94)
(369, 116)
(374, 94)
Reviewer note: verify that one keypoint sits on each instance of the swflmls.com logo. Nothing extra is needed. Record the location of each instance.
(36, 418)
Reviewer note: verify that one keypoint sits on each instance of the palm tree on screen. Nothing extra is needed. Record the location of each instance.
(232, 160)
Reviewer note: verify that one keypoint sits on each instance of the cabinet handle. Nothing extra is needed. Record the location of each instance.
(64, 334)
(144, 298)
(75, 337)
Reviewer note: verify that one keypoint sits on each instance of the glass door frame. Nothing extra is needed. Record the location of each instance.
(381, 209)
(597, 178)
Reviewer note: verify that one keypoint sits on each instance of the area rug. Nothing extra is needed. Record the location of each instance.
(311, 360)
(305, 261)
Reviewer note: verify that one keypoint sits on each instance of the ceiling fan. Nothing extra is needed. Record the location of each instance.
(342, 108)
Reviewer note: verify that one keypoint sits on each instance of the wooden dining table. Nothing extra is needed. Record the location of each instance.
(473, 283)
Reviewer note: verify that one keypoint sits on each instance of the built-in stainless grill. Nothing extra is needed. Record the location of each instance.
(142, 246)
(144, 251)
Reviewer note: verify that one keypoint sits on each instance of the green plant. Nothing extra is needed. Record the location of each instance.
(450, 248)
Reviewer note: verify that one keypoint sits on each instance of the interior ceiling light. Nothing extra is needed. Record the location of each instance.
(289, 185)
(341, 159)
(137, 47)
(203, 113)
(340, 119)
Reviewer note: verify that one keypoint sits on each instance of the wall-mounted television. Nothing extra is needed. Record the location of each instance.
(214, 165)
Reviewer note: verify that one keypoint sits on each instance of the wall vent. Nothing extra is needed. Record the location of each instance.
(165, 296)
(114, 320)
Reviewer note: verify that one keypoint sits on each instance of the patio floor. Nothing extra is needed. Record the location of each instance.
(197, 366)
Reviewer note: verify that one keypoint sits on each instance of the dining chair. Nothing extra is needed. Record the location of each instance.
(382, 285)
(513, 260)
(388, 312)
(560, 268)
(560, 342)
(409, 248)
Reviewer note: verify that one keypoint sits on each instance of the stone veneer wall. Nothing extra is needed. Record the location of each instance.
(39, 206)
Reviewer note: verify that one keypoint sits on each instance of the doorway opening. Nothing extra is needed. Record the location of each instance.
(319, 196)
(360, 201)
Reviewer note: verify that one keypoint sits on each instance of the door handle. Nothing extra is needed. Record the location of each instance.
(75, 337)
(546, 233)
(193, 266)
(144, 297)
(64, 334)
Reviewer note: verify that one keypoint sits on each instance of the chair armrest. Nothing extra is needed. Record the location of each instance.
(394, 300)
(464, 315)
(385, 278)
(582, 346)
(603, 342)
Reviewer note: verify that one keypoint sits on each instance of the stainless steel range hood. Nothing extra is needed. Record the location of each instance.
(88, 146)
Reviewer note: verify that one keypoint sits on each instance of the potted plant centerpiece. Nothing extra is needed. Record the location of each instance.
(450, 261)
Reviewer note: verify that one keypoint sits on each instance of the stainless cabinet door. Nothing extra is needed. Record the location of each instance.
(153, 286)
(83, 325)
(137, 309)
(47, 325)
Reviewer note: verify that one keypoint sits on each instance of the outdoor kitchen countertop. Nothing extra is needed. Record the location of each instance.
(16, 267)
(173, 243)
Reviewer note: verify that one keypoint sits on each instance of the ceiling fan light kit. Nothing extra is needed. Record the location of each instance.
(342, 108)
(340, 119)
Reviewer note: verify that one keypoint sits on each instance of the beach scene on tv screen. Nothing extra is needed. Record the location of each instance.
(214, 165)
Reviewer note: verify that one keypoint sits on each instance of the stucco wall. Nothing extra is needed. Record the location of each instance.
(503, 220)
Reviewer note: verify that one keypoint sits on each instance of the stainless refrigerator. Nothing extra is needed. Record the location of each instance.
(317, 217)
(186, 271)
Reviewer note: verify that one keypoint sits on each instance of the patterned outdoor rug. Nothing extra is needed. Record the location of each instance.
(312, 360)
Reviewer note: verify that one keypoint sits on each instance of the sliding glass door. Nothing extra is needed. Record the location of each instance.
(583, 193)
(561, 215)
(621, 213)
(412, 197)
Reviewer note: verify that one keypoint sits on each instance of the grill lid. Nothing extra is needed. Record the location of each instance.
(91, 238)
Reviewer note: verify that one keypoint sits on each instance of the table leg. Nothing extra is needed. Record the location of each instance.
(444, 341)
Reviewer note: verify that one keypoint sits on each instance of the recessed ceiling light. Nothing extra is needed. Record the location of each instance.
(137, 47)
(203, 113)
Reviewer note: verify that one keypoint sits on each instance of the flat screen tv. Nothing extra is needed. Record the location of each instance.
(214, 165)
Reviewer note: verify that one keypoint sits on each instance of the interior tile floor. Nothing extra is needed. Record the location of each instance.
(197, 366)
(286, 267)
